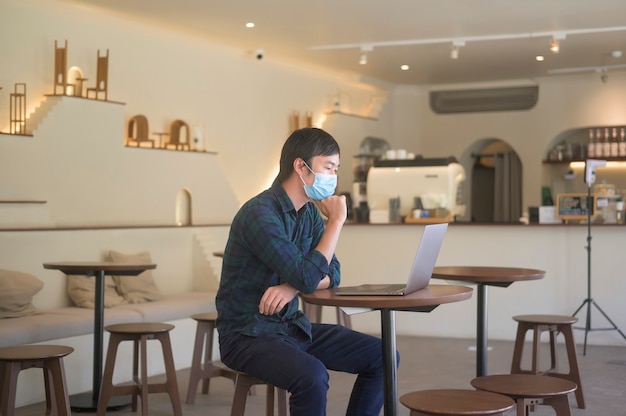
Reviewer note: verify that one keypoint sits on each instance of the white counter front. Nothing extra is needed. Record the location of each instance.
(383, 253)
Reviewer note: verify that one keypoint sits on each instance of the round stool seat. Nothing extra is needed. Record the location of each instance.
(546, 319)
(34, 352)
(139, 328)
(453, 402)
(209, 316)
(524, 385)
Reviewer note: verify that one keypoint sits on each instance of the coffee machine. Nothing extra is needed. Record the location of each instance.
(361, 165)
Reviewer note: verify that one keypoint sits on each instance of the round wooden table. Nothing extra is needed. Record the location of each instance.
(89, 401)
(485, 276)
(424, 300)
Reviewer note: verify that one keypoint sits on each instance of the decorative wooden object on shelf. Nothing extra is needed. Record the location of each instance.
(176, 127)
(60, 68)
(102, 77)
(138, 131)
(295, 120)
(18, 110)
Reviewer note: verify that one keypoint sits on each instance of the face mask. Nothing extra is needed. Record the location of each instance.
(323, 186)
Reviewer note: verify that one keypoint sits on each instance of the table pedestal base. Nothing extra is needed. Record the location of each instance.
(85, 403)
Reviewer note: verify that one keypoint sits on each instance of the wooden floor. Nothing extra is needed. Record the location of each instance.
(425, 363)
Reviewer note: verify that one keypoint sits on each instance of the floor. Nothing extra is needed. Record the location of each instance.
(426, 363)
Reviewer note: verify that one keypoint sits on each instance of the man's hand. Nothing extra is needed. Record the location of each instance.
(334, 208)
(276, 297)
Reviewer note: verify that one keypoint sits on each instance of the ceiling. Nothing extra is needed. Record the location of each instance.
(502, 37)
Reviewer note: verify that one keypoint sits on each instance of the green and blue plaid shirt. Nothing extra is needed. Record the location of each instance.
(270, 244)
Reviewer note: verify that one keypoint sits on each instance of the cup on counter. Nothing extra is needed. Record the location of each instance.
(390, 154)
(400, 154)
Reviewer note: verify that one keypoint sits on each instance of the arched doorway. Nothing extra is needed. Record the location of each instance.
(495, 174)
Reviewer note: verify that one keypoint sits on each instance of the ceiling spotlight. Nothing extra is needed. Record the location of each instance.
(616, 54)
(454, 49)
(539, 58)
(363, 57)
(554, 46)
(405, 67)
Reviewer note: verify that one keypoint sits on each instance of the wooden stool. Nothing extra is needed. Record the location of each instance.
(530, 390)
(205, 369)
(47, 357)
(139, 333)
(244, 383)
(452, 402)
(314, 313)
(554, 324)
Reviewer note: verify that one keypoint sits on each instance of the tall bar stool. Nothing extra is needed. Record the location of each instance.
(453, 402)
(244, 383)
(139, 333)
(554, 324)
(529, 390)
(203, 367)
(47, 357)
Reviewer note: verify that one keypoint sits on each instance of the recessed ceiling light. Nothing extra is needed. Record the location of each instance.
(250, 24)
(404, 67)
(616, 53)
(539, 58)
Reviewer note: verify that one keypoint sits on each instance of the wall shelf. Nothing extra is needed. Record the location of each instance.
(343, 113)
(565, 162)
(22, 201)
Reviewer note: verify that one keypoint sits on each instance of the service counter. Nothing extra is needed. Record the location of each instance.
(372, 253)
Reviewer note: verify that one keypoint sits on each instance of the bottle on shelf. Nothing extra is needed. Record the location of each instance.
(599, 148)
(621, 146)
(591, 145)
(614, 143)
(606, 150)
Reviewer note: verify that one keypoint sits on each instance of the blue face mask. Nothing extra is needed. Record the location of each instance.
(323, 186)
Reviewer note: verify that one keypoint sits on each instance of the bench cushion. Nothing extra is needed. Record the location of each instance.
(16, 293)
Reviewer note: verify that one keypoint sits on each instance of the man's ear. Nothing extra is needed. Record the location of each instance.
(298, 166)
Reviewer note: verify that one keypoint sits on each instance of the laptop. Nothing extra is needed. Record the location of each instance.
(422, 269)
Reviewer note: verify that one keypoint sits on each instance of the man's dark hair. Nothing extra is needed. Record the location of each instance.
(305, 143)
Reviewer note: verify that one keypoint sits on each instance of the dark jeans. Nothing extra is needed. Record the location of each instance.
(300, 367)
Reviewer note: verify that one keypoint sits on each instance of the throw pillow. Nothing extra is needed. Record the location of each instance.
(16, 293)
(135, 289)
(82, 290)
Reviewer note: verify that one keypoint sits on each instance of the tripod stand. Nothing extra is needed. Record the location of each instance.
(589, 300)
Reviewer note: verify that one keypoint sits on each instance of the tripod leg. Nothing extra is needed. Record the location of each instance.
(608, 319)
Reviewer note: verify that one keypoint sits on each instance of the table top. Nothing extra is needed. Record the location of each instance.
(429, 296)
(82, 267)
(485, 274)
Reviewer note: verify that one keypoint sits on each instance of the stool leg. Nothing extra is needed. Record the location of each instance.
(343, 318)
(171, 384)
(106, 389)
(56, 375)
(560, 404)
(195, 372)
(521, 407)
(242, 386)
(208, 354)
(49, 390)
(553, 362)
(269, 401)
(536, 340)
(574, 372)
(282, 402)
(7, 405)
(2, 378)
(518, 349)
(144, 389)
